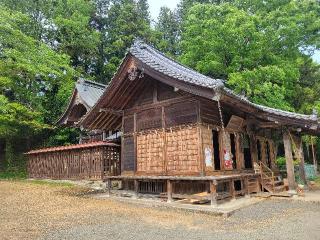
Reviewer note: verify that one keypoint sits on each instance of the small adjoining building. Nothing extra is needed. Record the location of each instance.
(185, 134)
(96, 155)
(84, 96)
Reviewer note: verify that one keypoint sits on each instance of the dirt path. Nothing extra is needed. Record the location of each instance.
(33, 211)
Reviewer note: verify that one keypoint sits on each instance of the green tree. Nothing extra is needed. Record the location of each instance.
(64, 25)
(74, 35)
(125, 23)
(259, 52)
(167, 28)
(31, 73)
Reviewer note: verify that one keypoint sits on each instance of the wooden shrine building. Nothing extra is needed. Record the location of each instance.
(184, 133)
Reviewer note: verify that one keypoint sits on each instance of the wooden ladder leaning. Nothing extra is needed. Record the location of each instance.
(269, 181)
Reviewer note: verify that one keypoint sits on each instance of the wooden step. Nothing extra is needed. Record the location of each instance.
(281, 194)
(279, 188)
(279, 182)
(276, 183)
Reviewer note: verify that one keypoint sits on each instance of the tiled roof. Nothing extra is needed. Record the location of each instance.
(72, 147)
(270, 110)
(154, 59)
(159, 62)
(89, 91)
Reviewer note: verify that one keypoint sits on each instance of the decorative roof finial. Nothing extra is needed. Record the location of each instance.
(133, 73)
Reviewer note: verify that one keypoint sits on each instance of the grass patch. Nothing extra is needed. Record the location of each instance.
(22, 176)
(51, 183)
(13, 175)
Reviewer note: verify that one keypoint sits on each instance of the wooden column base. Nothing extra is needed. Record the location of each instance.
(136, 189)
(169, 191)
(213, 193)
(232, 190)
(109, 186)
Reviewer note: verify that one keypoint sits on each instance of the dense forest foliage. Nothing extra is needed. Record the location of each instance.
(263, 50)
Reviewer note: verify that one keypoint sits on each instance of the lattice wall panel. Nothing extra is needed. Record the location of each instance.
(181, 113)
(182, 150)
(150, 153)
(128, 157)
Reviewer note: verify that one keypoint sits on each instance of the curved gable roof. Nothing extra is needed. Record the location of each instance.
(167, 66)
(89, 92)
(86, 93)
(158, 62)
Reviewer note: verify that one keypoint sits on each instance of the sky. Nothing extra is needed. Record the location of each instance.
(155, 6)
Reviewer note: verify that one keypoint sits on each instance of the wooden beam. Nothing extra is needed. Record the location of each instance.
(289, 161)
(112, 111)
(269, 125)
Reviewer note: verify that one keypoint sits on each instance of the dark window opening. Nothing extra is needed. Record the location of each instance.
(247, 152)
(237, 185)
(233, 151)
(223, 187)
(216, 147)
(259, 150)
(281, 150)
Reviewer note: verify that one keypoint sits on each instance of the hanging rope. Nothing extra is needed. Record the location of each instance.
(226, 144)
(296, 150)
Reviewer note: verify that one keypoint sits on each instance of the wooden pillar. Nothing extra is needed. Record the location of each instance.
(289, 161)
(232, 190)
(213, 193)
(301, 164)
(253, 149)
(104, 135)
(136, 188)
(313, 155)
(239, 153)
(109, 186)
(246, 186)
(169, 191)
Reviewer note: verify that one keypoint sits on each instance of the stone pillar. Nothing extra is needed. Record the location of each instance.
(289, 161)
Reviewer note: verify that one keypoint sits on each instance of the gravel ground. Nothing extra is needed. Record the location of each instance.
(53, 212)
